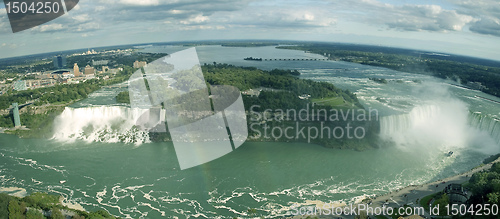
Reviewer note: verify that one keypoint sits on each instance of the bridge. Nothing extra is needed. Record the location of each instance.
(121, 85)
(282, 59)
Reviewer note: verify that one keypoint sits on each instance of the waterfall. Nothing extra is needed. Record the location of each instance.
(487, 124)
(100, 124)
(443, 125)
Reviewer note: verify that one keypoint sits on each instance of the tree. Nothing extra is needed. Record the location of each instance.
(15, 211)
(4, 204)
(56, 214)
(34, 214)
(123, 97)
(442, 202)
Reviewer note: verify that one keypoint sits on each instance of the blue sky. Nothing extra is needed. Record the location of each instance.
(467, 27)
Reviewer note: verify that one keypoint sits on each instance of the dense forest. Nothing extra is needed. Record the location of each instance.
(245, 78)
(463, 72)
(285, 86)
(281, 89)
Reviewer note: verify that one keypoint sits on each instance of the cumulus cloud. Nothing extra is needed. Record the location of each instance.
(288, 17)
(488, 26)
(81, 17)
(48, 28)
(487, 12)
(4, 24)
(141, 2)
(428, 17)
(198, 19)
(410, 17)
(480, 16)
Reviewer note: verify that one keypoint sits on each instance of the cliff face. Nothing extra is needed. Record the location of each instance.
(37, 109)
(31, 110)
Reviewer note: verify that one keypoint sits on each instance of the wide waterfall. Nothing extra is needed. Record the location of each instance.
(487, 124)
(100, 124)
(441, 125)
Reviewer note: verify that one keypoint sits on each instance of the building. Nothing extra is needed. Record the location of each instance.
(76, 70)
(15, 112)
(59, 62)
(19, 85)
(100, 62)
(89, 70)
(138, 64)
(93, 52)
(89, 76)
(40, 83)
(475, 85)
(456, 194)
(105, 69)
(60, 74)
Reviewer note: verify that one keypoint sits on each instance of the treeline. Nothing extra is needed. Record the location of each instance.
(115, 60)
(249, 44)
(37, 205)
(463, 72)
(485, 187)
(36, 66)
(245, 78)
(283, 87)
(62, 93)
(123, 97)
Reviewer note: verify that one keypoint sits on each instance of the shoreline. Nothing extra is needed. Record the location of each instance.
(21, 193)
(409, 195)
(414, 192)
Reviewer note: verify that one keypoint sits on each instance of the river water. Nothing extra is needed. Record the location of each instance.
(422, 118)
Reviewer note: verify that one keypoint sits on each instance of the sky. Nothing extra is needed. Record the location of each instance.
(465, 27)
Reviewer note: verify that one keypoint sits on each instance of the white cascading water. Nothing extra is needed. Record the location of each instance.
(100, 124)
(487, 124)
(441, 125)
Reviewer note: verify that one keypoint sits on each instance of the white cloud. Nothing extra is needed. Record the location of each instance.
(48, 28)
(81, 17)
(407, 17)
(99, 8)
(487, 12)
(141, 2)
(428, 17)
(198, 19)
(87, 27)
(488, 26)
(288, 17)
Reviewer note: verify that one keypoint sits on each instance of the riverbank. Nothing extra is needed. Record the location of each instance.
(409, 195)
(21, 193)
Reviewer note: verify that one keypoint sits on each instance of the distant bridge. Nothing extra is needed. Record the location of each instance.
(121, 85)
(22, 105)
(294, 59)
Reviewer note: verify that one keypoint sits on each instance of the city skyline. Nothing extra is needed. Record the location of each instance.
(460, 27)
